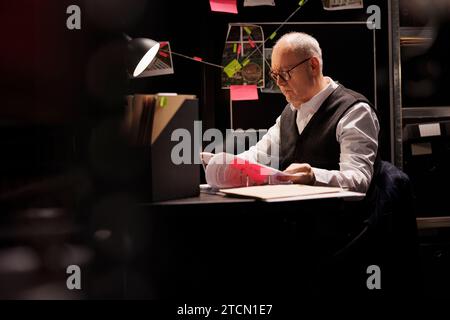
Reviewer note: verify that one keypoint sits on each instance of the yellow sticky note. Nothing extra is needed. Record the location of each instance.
(163, 102)
(246, 62)
(231, 68)
(234, 47)
(301, 3)
(272, 36)
(247, 29)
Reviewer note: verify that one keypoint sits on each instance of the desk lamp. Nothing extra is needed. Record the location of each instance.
(141, 53)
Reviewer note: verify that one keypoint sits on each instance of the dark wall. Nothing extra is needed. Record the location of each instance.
(66, 81)
(196, 31)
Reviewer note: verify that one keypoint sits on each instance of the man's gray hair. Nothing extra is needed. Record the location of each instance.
(304, 45)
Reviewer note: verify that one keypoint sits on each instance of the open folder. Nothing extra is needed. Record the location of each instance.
(270, 192)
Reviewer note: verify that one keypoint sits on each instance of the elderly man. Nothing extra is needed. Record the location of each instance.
(327, 134)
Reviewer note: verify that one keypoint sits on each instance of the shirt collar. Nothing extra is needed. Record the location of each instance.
(315, 102)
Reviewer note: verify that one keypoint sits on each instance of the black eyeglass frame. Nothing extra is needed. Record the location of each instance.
(275, 75)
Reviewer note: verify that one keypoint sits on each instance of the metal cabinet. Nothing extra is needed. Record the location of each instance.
(421, 100)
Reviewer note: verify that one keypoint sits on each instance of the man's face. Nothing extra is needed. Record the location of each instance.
(298, 89)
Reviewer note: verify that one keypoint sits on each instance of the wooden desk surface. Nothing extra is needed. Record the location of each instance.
(203, 198)
(208, 198)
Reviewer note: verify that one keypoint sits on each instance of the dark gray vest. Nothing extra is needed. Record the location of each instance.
(317, 145)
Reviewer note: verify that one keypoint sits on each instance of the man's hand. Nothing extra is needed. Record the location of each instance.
(301, 173)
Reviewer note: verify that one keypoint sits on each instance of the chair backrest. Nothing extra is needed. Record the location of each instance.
(396, 229)
(388, 240)
(395, 200)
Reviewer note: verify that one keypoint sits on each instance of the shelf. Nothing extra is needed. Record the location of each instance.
(426, 112)
(414, 36)
(433, 222)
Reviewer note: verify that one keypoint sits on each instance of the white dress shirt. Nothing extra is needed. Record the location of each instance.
(356, 132)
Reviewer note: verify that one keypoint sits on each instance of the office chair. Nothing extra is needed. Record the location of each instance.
(388, 239)
(392, 234)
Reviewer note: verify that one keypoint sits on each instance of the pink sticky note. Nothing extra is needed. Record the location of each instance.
(239, 49)
(165, 55)
(223, 6)
(245, 92)
(197, 59)
(252, 44)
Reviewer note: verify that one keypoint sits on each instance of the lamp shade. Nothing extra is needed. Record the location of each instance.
(141, 54)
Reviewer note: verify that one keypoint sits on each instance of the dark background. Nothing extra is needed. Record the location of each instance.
(57, 84)
(62, 93)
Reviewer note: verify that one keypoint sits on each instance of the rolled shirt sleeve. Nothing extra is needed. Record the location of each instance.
(266, 150)
(357, 134)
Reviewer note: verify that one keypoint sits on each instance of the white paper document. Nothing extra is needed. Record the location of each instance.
(429, 129)
(269, 192)
(224, 170)
(227, 174)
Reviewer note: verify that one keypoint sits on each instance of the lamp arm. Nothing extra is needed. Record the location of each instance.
(190, 58)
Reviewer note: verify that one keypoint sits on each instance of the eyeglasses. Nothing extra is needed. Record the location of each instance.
(286, 75)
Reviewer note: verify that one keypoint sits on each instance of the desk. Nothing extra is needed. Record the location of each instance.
(210, 198)
(215, 246)
(203, 198)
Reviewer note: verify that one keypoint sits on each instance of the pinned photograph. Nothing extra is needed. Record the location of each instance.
(342, 4)
(254, 3)
(270, 84)
(243, 56)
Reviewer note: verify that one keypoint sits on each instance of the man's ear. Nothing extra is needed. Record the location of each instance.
(315, 65)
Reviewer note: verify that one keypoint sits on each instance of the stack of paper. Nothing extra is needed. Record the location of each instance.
(268, 192)
(224, 170)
